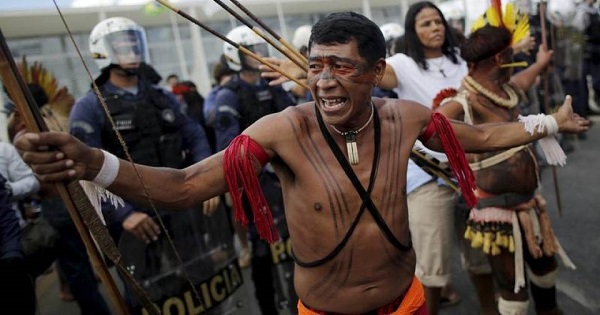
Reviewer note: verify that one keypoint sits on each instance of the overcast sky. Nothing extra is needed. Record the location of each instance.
(16, 5)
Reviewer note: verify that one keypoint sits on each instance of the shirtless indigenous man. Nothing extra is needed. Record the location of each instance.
(507, 180)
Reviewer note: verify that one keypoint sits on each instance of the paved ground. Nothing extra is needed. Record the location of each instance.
(578, 230)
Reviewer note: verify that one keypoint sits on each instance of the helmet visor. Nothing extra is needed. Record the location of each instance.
(262, 50)
(126, 47)
(259, 49)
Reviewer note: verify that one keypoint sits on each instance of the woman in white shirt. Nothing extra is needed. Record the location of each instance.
(430, 63)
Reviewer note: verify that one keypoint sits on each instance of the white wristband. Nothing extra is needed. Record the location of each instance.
(539, 123)
(551, 125)
(108, 172)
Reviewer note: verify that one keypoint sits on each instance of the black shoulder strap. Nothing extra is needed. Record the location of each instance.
(366, 196)
(367, 202)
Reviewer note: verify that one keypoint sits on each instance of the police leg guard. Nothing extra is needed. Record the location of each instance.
(506, 307)
(543, 291)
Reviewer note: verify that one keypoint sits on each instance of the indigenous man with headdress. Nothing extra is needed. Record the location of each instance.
(55, 104)
(509, 223)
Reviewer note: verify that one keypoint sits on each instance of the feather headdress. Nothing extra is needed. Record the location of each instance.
(512, 19)
(60, 101)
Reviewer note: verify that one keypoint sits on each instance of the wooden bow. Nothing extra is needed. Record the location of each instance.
(84, 216)
(143, 297)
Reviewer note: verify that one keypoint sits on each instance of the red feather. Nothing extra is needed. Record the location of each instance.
(497, 5)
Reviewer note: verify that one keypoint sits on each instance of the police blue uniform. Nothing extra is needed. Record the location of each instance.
(156, 131)
(89, 124)
(232, 117)
(239, 104)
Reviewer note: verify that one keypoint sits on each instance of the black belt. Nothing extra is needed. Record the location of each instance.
(507, 200)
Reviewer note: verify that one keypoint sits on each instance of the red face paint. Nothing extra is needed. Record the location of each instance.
(331, 67)
(341, 81)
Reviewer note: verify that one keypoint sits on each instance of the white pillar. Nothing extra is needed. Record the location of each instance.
(232, 22)
(366, 8)
(180, 55)
(200, 74)
(282, 24)
(101, 15)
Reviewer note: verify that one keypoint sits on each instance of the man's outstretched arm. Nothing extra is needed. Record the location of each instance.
(498, 136)
(70, 159)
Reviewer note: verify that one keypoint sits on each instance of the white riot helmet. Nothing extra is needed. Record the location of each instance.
(561, 12)
(391, 31)
(301, 37)
(244, 36)
(452, 10)
(118, 41)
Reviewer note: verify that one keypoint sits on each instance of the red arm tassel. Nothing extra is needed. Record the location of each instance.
(238, 166)
(456, 155)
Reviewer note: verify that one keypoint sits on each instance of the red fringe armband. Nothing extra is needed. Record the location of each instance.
(442, 95)
(455, 153)
(241, 178)
(428, 133)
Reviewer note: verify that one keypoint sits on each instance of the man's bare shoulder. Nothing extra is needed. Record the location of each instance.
(406, 109)
(294, 115)
(303, 109)
(279, 127)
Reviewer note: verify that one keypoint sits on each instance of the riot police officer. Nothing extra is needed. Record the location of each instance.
(243, 100)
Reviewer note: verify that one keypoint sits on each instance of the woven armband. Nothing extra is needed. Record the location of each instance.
(455, 154)
(539, 123)
(428, 133)
(258, 152)
(109, 171)
(241, 178)
(551, 125)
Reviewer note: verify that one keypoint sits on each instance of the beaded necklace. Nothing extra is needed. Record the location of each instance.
(351, 138)
(513, 98)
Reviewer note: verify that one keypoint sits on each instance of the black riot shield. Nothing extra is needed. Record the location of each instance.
(282, 264)
(205, 246)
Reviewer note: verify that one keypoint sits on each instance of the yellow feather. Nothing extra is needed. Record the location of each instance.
(521, 30)
(479, 23)
(505, 241)
(477, 240)
(469, 234)
(516, 22)
(487, 242)
(495, 250)
(493, 17)
(509, 17)
(60, 101)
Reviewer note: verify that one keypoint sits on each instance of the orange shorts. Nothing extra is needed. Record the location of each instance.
(411, 303)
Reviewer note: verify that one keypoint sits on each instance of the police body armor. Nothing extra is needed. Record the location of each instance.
(254, 105)
(147, 127)
(202, 243)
